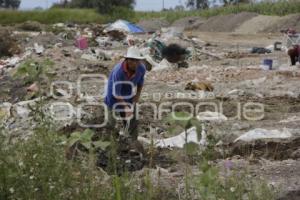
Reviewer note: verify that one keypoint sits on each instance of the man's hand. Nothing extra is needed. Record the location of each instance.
(128, 112)
(136, 99)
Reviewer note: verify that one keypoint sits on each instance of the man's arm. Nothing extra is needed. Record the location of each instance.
(138, 94)
(140, 85)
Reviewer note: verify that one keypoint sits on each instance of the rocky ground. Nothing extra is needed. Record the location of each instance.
(222, 59)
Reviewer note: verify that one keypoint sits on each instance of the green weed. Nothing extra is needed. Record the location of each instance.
(32, 71)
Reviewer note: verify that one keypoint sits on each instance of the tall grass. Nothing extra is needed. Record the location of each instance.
(51, 16)
(277, 9)
(37, 168)
(89, 15)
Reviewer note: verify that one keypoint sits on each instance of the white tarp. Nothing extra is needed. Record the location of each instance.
(122, 25)
(258, 133)
(179, 140)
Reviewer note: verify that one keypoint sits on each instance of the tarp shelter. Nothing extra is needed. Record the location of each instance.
(122, 25)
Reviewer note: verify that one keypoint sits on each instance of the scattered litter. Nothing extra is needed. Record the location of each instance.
(278, 46)
(176, 141)
(270, 47)
(235, 93)
(13, 61)
(116, 35)
(62, 111)
(33, 88)
(39, 49)
(240, 126)
(254, 82)
(150, 63)
(88, 33)
(66, 53)
(164, 65)
(267, 64)
(257, 134)
(171, 32)
(58, 45)
(103, 41)
(81, 43)
(290, 119)
(59, 25)
(199, 86)
(2, 64)
(260, 50)
(23, 109)
(89, 57)
(211, 116)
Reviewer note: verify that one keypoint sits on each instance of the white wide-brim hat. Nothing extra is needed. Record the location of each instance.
(134, 53)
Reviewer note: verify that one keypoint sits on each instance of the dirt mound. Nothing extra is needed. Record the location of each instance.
(271, 24)
(153, 24)
(225, 23)
(8, 46)
(258, 24)
(30, 26)
(289, 21)
(189, 23)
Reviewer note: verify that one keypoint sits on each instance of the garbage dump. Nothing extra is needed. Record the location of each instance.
(236, 94)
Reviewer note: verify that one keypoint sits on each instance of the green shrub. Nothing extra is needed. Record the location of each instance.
(32, 71)
(37, 169)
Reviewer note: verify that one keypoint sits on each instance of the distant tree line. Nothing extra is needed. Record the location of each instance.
(12, 4)
(107, 6)
(103, 6)
(204, 4)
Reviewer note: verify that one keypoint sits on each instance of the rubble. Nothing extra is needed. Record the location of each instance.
(22, 109)
(89, 57)
(13, 61)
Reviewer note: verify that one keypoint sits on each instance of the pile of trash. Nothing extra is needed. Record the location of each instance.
(96, 43)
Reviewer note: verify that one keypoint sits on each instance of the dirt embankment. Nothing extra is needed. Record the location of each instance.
(189, 23)
(225, 23)
(153, 24)
(269, 24)
(244, 22)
